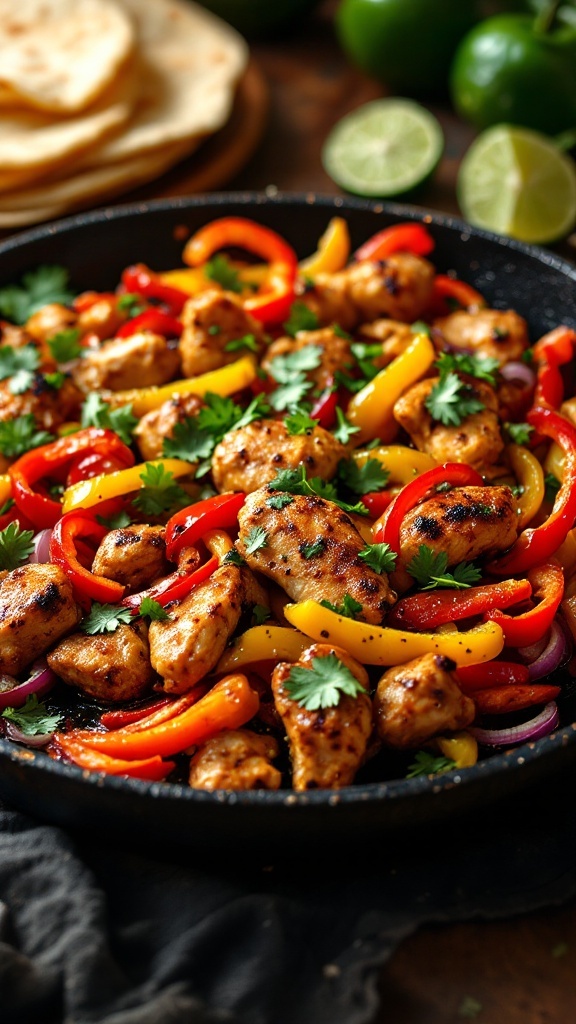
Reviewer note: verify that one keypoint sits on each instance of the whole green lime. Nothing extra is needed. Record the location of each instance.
(406, 44)
(260, 17)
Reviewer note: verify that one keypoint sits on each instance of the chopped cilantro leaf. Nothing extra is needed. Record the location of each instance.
(115, 522)
(283, 368)
(15, 546)
(33, 719)
(552, 485)
(289, 396)
(260, 614)
(38, 287)
(233, 557)
(314, 549)
(295, 481)
(299, 423)
(365, 478)
(195, 438)
(344, 430)
(21, 381)
(248, 341)
(528, 356)
(481, 367)
(426, 763)
(65, 345)
(105, 618)
(429, 569)
(341, 333)
(420, 327)
(379, 557)
(131, 304)
(19, 435)
(96, 412)
(449, 401)
(159, 493)
(301, 319)
(348, 609)
(55, 380)
(214, 329)
(19, 364)
(220, 270)
(279, 501)
(519, 433)
(153, 610)
(256, 538)
(323, 684)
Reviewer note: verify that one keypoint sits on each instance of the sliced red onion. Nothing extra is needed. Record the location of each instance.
(41, 552)
(40, 681)
(16, 734)
(520, 372)
(554, 654)
(534, 651)
(543, 724)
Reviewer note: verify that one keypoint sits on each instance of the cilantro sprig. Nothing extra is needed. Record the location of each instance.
(426, 763)
(519, 433)
(295, 481)
(301, 318)
(15, 546)
(105, 618)
(19, 435)
(33, 718)
(220, 270)
(323, 684)
(429, 569)
(363, 479)
(160, 493)
(289, 371)
(96, 412)
(349, 608)
(65, 345)
(479, 366)
(195, 438)
(451, 400)
(378, 557)
(18, 365)
(48, 283)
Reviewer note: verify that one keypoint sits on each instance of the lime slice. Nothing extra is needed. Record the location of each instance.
(518, 183)
(383, 148)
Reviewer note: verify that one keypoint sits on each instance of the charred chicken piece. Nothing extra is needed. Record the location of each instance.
(464, 523)
(212, 320)
(236, 759)
(49, 406)
(327, 746)
(110, 667)
(140, 361)
(419, 700)
(333, 352)
(477, 440)
(37, 608)
(133, 555)
(312, 551)
(251, 456)
(158, 424)
(501, 334)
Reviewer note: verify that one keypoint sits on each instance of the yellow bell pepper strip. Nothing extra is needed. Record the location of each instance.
(87, 493)
(535, 546)
(227, 380)
(186, 279)
(272, 304)
(228, 705)
(153, 769)
(529, 474)
(462, 748)
(5, 488)
(554, 461)
(332, 253)
(382, 645)
(218, 543)
(402, 463)
(263, 643)
(370, 409)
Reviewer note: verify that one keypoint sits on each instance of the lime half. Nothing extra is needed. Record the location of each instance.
(517, 182)
(383, 148)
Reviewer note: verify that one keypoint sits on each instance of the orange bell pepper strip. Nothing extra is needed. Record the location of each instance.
(503, 699)
(228, 705)
(332, 253)
(547, 582)
(405, 237)
(152, 768)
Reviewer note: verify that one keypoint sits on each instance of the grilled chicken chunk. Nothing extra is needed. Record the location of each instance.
(236, 759)
(110, 667)
(50, 320)
(249, 457)
(327, 746)
(477, 440)
(501, 334)
(102, 318)
(399, 287)
(333, 353)
(139, 361)
(133, 555)
(37, 608)
(186, 647)
(419, 700)
(49, 406)
(312, 550)
(211, 321)
(158, 424)
(464, 523)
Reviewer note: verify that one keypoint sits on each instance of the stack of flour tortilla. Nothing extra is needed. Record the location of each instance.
(99, 96)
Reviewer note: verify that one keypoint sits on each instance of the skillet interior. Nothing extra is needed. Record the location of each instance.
(96, 247)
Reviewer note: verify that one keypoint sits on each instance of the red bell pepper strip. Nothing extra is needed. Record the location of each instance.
(152, 320)
(387, 529)
(405, 237)
(377, 502)
(228, 705)
(547, 583)
(88, 466)
(536, 545)
(324, 408)
(87, 585)
(121, 717)
(152, 768)
(502, 699)
(188, 526)
(173, 587)
(88, 299)
(45, 460)
(140, 280)
(272, 304)
(426, 611)
(449, 291)
(169, 710)
(554, 350)
(490, 675)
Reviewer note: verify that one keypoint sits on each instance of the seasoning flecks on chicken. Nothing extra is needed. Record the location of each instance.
(49, 406)
(140, 361)
(211, 321)
(333, 351)
(236, 759)
(312, 551)
(327, 746)
(500, 334)
(476, 440)
(184, 648)
(158, 424)
(37, 608)
(251, 456)
(399, 287)
(132, 555)
(419, 700)
(465, 523)
(394, 336)
(110, 667)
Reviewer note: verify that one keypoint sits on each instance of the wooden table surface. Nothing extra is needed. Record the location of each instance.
(519, 971)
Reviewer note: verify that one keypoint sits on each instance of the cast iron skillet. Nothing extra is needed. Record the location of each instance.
(96, 247)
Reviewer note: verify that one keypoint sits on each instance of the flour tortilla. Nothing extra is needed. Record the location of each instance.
(60, 55)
